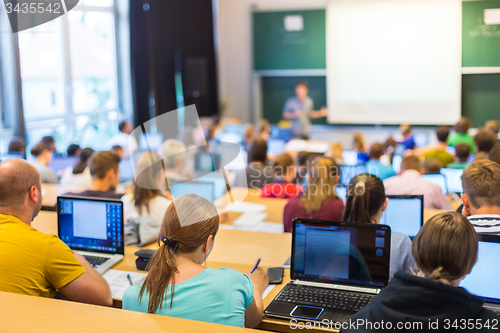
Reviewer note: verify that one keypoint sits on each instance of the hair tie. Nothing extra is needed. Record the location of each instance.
(360, 184)
(168, 242)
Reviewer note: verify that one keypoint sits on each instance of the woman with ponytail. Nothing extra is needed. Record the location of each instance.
(319, 200)
(178, 285)
(445, 251)
(366, 202)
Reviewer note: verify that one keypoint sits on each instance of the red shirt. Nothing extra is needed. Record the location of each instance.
(331, 210)
(281, 190)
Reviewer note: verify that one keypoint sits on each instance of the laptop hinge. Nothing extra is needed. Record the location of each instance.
(339, 287)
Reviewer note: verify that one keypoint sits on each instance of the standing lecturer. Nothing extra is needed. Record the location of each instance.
(300, 110)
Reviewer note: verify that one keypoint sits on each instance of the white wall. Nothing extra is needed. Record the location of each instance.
(235, 49)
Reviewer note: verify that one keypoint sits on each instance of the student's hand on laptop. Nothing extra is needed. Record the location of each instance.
(259, 278)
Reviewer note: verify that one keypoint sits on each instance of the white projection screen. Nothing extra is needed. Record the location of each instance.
(394, 61)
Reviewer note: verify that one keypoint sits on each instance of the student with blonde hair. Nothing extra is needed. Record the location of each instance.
(319, 200)
(144, 206)
(366, 202)
(179, 285)
(360, 147)
(335, 152)
(445, 251)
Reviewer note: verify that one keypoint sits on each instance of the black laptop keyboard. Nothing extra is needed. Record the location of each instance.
(328, 298)
(95, 261)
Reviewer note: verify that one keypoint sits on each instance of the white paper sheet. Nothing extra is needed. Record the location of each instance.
(118, 282)
(246, 207)
(249, 219)
(267, 290)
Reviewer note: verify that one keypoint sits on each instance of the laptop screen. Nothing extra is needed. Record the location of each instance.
(439, 180)
(453, 179)
(341, 252)
(275, 146)
(204, 190)
(206, 162)
(404, 214)
(90, 224)
(483, 280)
(347, 172)
(219, 184)
(350, 157)
(126, 171)
(58, 164)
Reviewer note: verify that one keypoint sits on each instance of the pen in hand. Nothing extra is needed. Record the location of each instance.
(256, 265)
(130, 279)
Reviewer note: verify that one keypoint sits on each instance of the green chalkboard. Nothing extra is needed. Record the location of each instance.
(480, 42)
(276, 48)
(276, 90)
(481, 97)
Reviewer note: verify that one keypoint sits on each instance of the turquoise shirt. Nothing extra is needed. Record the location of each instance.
(379, 169)
(218, 296)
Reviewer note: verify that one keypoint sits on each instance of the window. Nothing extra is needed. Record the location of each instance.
(69, 77)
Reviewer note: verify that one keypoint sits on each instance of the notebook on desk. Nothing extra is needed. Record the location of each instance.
(92, 227)
(336, 269)
(404, 214)
(484, 277)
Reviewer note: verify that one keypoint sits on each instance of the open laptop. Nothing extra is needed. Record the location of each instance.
(203, 189)
(59, 164)
(275, 146)
(404, 214)
(92, 227)
(347, 172)
(483, 280)
(453, 179)
(439, 180)
(350, 157)
(126, 170)
(220, 185)
(206, 162)
(336, 269)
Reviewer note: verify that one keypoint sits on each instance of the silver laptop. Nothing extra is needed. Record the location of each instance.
(483, 280)
(439, 180)
(336, 269)
(92, 227)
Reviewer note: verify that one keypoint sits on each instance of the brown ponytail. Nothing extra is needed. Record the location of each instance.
(365, 197)
(81, 164)
(199, 219)
(446, 247)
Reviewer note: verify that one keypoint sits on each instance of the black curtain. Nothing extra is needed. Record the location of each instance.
(169, 37)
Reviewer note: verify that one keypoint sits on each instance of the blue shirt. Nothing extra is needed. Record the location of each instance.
(300, 126)
(379, 169)
(218, 296)
(401, 257)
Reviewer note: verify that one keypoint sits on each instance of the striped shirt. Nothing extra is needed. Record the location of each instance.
(486, 224)
(300, 126)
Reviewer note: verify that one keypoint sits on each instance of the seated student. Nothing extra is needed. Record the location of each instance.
(73, 150)
(360, 148)
(284, 174)
(445, 251)
(118, 150)
(375, 167)
(248, 136)
(103, 166)
(78, 176)
(432, 166)
(264, 129)
(173, 152)
(389, 150)
(366, 202)
(124, 140)
(439, 152)
(178, 285)
(408, 140)
(461, 134)
(495, 154)
(481, 197)
(33, 263)
(484, 141)
(462, 153)
(335, 152)
(409, 182)
(144, 207)
(319, 200)
(494, 127)
(17, 145)
(43, 157)
(50, 143)
(258, 173)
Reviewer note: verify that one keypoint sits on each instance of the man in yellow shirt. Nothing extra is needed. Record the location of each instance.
(32, 262)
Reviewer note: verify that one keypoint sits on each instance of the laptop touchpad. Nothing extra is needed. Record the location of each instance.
(307, 312)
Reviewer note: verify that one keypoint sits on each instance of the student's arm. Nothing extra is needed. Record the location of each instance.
(90, 287)
(253, 314)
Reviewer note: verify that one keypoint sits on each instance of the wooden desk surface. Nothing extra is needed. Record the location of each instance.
(22, 313)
